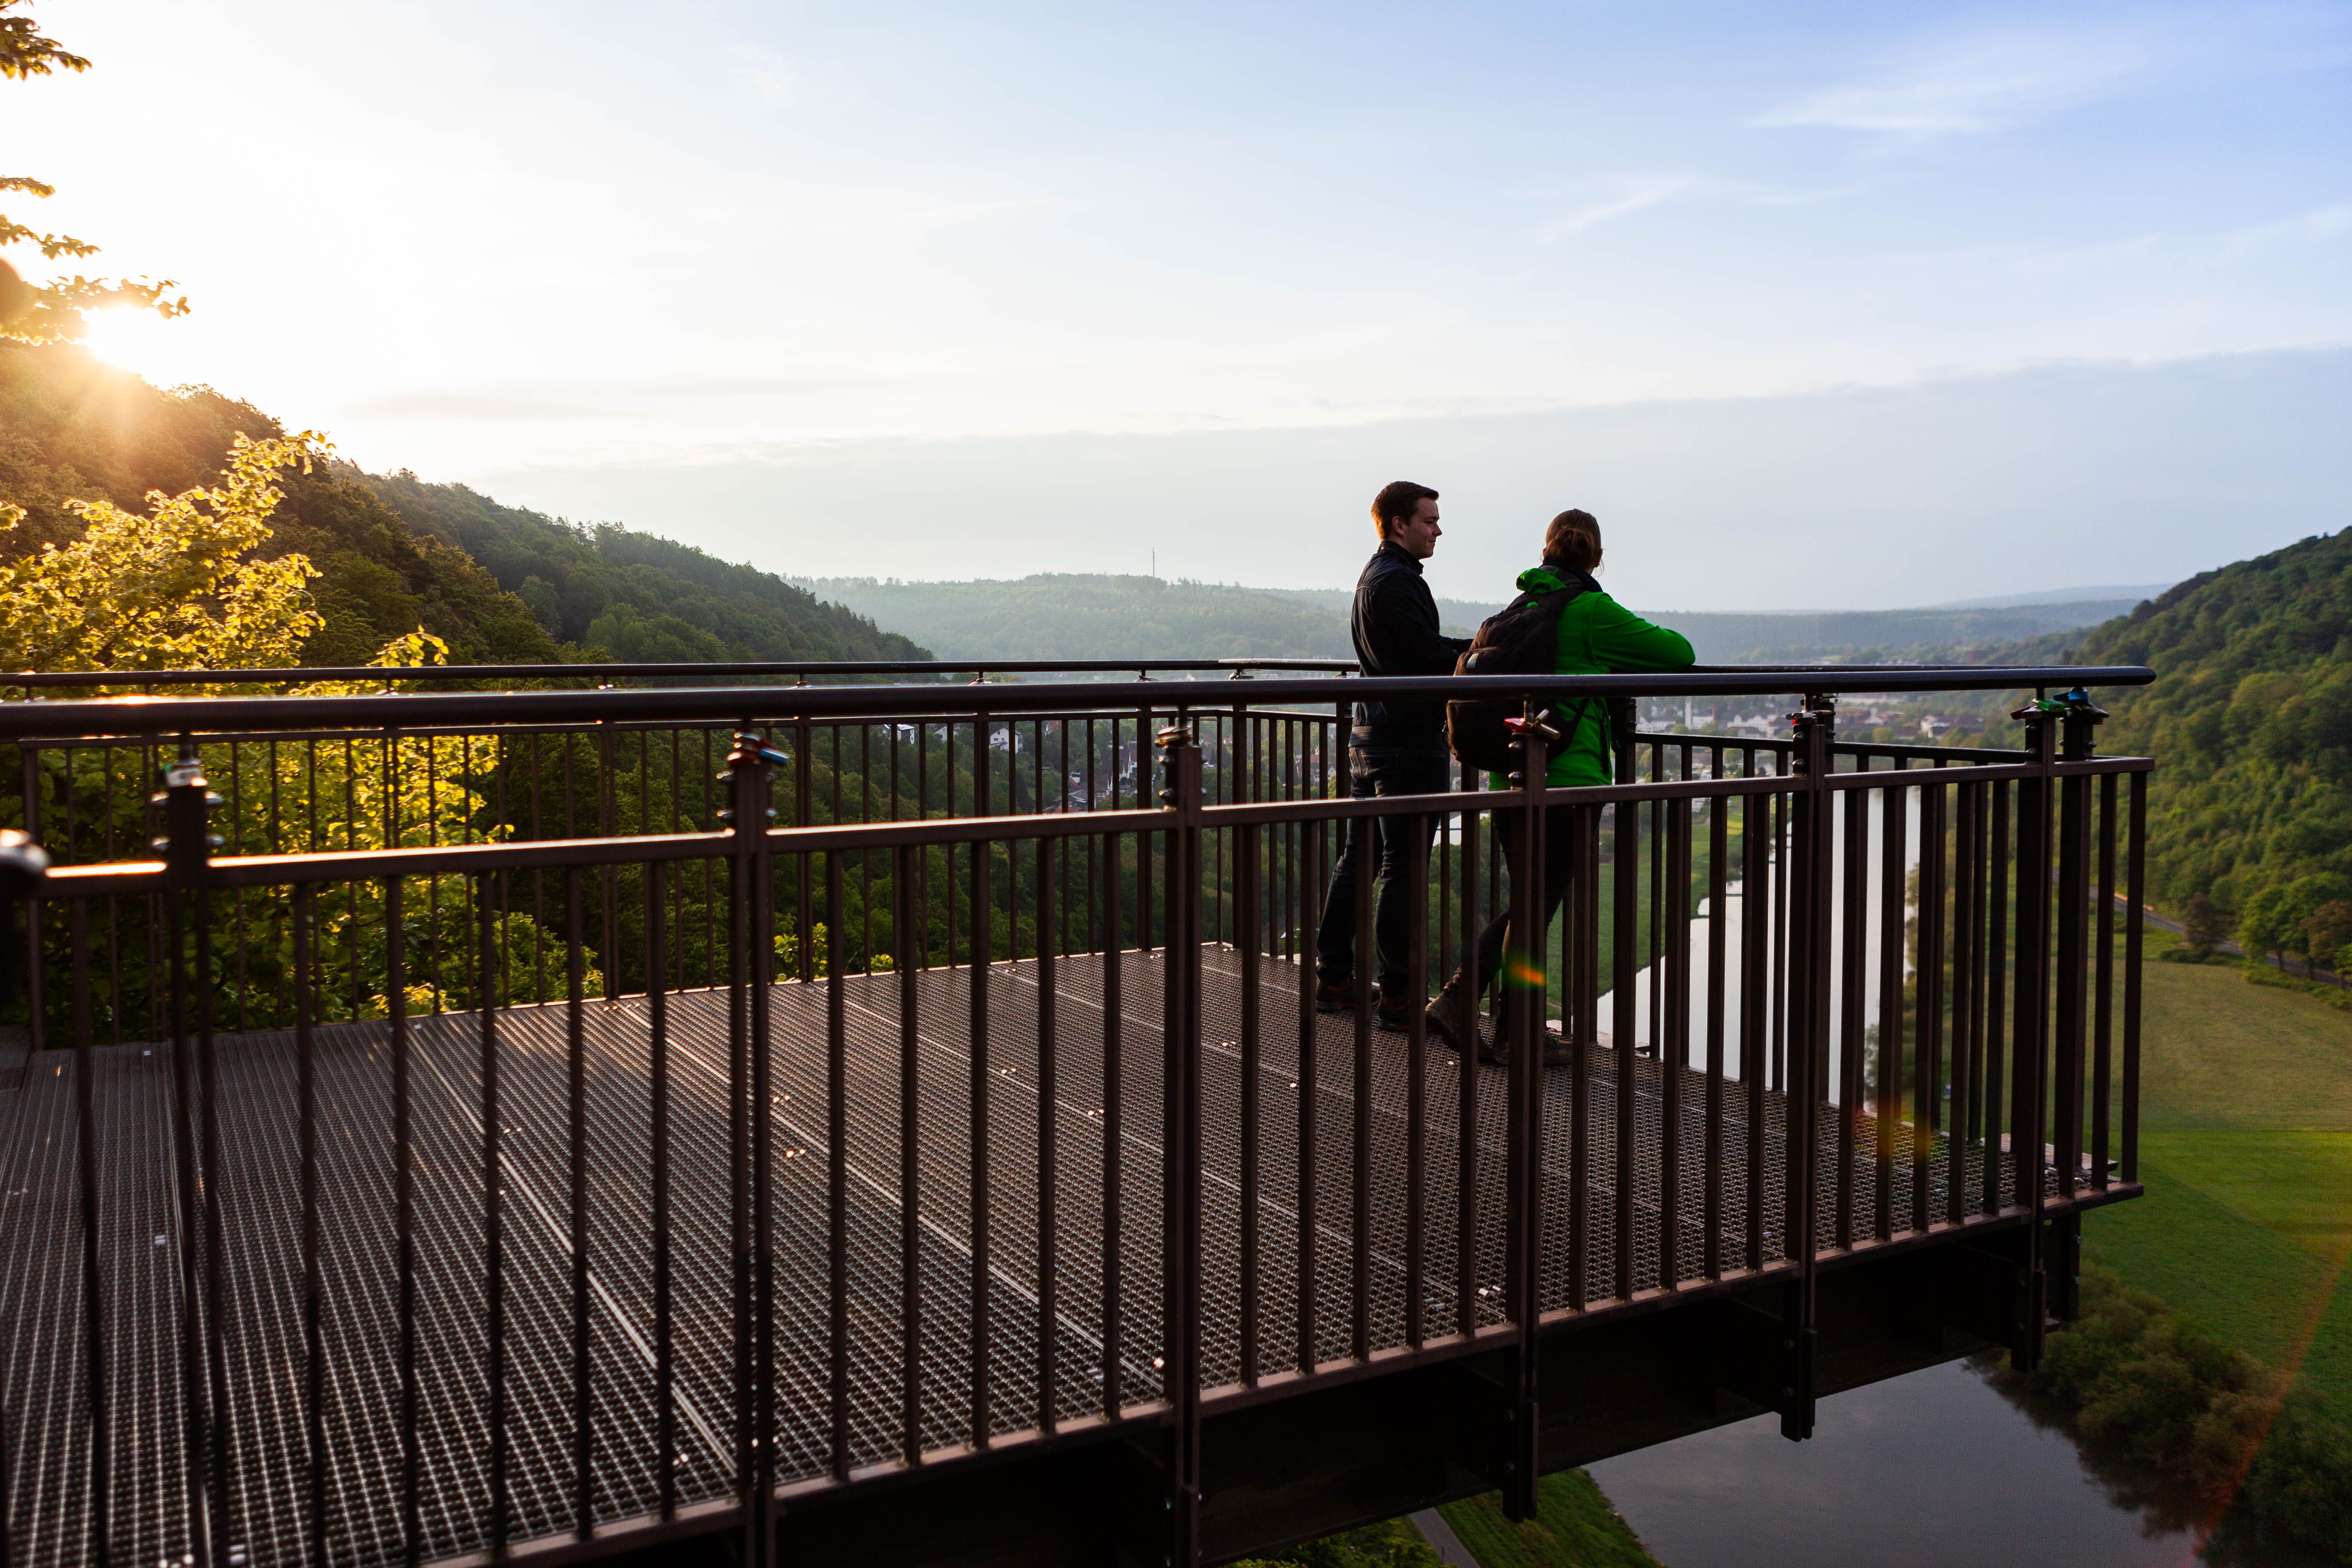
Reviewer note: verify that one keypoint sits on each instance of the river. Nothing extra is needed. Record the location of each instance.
(1935, 1469)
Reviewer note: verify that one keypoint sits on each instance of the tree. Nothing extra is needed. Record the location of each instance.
(2204, 924)
(2327, 932)
(40, 314)
(175, 589)
(2268, 925)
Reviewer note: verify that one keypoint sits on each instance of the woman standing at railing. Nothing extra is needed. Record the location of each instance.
(1593, 635)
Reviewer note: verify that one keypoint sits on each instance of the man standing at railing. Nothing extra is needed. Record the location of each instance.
(1394, 748)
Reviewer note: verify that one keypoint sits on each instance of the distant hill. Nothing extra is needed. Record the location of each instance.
(1960, 635)
(1068, 615)
(1064, 615)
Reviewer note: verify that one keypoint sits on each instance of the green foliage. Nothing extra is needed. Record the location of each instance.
(2279, 918)
(2255, 972)
(72, 427)
(1392, 1543)
(1574, 1527)
(178, 588)
(632, 595)
(2203, 922)
(2251, 715)
(2150, 1387)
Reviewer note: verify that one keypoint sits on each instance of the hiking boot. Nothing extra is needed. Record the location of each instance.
(1330, 998)
(1452, 1018)
(1558, 1047)
(1392, 1014)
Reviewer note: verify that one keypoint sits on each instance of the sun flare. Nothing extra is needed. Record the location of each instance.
(137, 341)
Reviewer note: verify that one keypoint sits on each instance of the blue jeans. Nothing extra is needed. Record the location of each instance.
(1379, 771)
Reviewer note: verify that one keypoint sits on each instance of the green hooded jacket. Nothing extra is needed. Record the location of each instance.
(1597, 636)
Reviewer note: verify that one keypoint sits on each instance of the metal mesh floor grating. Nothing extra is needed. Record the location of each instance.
(40, 1300)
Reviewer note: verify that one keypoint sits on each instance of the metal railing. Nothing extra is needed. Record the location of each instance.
(637, 1112)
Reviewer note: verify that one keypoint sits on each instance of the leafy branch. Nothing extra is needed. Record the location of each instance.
(47, 312)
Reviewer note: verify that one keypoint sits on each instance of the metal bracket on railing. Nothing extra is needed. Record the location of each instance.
(24, 866)
(187, 801)
(1812, 707)
(1172, 741)
(1538, 724)
(751, 759)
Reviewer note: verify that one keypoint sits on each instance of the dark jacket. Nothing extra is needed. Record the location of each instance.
(1394, 625)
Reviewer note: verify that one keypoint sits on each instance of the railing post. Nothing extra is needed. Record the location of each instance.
(1525, 991)
(752, 962)
(1811, 805)
(1181, 794)
(2029, 1075)
(187, 802)
(36, 1023)
(2078, 726)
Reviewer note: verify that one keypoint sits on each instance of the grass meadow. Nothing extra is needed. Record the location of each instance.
(2246, 1151)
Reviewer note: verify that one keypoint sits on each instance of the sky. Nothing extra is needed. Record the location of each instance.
(1823, 305)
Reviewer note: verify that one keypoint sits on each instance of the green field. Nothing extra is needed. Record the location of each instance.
(2246, 1151)
(1574, 1527)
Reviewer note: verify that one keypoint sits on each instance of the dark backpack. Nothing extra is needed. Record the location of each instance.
(1522, 639)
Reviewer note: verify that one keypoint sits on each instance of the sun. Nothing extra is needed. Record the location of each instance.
(137, 341)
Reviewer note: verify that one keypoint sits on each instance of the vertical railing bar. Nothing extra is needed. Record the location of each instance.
(1248, 937)
(93, 1290)
(1672, 1033)
(1416, 1091)
(1366, 834)
(1719, 879)
(1755, 995)
(982, 944)
(837, 1178)
(1927, 1023)
(1465, 1066)
(1893, 891)
(911, 1234)
(216, 1331)
(1114, 1397)
(1996, 973)
(1584, 1028)
(494, 1304)
(2134, 891)
(1853, 809)
(1307, 1092)
(2103, 991)
(1960, 1061)
(1048, 1149)
(175, 901)
(1625, 933)
(657, 895)
(404, 1216)
(575, 1052)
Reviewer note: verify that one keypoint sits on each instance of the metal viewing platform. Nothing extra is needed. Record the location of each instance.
(488, 1132)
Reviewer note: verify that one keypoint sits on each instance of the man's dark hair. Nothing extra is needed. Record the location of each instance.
(1398, 500)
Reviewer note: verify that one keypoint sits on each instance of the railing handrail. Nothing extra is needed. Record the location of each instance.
(35, 679)
(222, 715)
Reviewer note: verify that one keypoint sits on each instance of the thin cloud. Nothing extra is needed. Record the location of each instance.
(1636, 194)
(1986, 84)
(770, 74)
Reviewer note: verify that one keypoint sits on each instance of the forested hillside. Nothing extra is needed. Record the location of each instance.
(638, 597)
(2251, 721)
(500, 586)
(71, 426)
